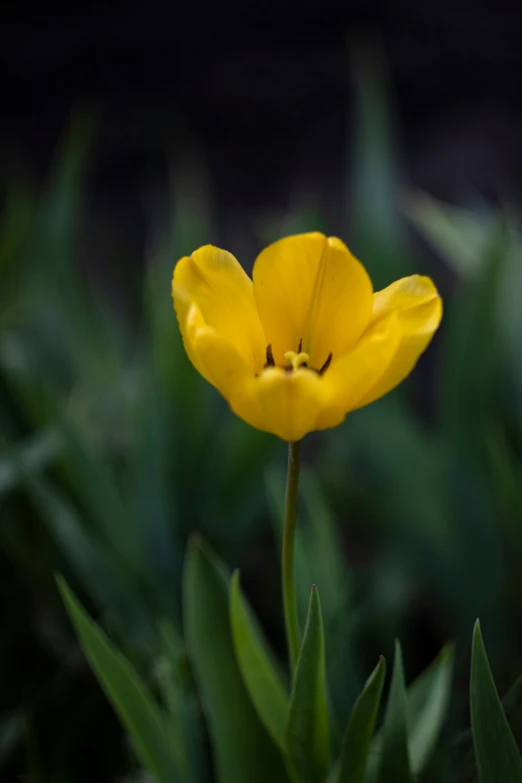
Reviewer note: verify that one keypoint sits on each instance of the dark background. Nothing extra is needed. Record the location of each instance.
(270, 103)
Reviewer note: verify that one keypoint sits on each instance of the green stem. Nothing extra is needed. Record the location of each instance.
(289, 602)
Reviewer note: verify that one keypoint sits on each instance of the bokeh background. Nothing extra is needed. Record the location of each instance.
(129, 137)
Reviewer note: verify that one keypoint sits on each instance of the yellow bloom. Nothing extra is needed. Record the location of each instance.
(307, 340)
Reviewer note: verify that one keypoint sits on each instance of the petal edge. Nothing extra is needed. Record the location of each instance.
(418, 308)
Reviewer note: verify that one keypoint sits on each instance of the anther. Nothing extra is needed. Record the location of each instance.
(300, 345)
(269, 357)
(326, 365)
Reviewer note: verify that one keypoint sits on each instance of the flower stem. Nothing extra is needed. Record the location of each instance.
(289, 602)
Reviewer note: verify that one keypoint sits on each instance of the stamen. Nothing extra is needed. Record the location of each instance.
(300, 345)
(297, 359)
(326, 364)
(269, 357)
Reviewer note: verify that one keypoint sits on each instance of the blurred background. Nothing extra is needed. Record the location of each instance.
(129, 137)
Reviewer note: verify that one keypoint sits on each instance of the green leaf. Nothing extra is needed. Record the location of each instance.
(181, 702)
(461, 237)
(261, 677)
(307, 732)
(356, 742)
(428, 698)
(242, 747)
(457, 233)
(498, 758)
(395, 762)
(126, 691)
(470, 399)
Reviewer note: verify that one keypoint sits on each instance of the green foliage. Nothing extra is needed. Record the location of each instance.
(183, 724)
(245, 701)
(496, 752)
(258, 670)
(307, 738)
(428, 702)
(359, 732)
(239, 738)
(395, 762)
(139, 713)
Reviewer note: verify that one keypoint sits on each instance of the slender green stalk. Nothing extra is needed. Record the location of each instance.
(289, 602)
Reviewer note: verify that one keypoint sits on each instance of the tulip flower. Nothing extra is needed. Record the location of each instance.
(307, 341)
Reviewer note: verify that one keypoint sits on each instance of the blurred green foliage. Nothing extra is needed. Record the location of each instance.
(258, 729)
(113, 450)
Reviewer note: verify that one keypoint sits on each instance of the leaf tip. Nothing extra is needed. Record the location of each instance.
(235, 580)
(63, 588)
(477, 631)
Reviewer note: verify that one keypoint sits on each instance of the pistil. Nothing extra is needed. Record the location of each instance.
(297, 360)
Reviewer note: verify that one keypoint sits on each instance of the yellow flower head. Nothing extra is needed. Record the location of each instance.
(307, 340)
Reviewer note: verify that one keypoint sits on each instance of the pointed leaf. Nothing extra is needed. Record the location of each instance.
(427, 701)
(428, 698)
(261, 677)
(395, 762)
(240, 741)
(307, 732)
(127, 692)
(356, 742)
(498, 758)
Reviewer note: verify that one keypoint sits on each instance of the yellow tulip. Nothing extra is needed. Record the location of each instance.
(307, 341)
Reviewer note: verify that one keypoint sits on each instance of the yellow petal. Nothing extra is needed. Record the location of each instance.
(215, 282)
(311, 288)
(287, 404)
(418, 309)
(350, 378)
(216, 359)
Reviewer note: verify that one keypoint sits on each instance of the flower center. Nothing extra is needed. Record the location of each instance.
(296, 360)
